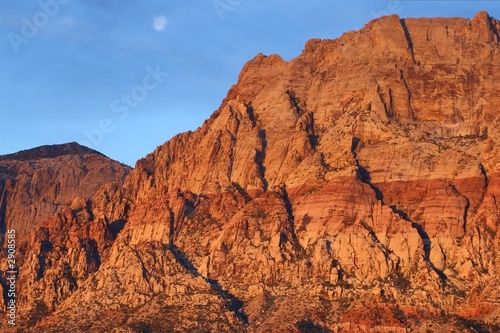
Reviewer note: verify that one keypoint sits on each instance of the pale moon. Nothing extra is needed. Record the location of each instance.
(160, 23)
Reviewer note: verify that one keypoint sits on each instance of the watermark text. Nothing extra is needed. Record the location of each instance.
(124, 104)
(32, 26)
(223, 6)
(11, 277)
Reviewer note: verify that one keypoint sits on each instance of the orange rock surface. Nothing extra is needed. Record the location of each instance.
(352, 188)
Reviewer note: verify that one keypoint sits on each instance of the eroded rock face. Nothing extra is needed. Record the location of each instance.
(354, 187)
(37, 183)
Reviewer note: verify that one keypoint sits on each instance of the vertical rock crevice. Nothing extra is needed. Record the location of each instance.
(387, 109)
(283, 193)
(171, 233)
(295, 103)
(260, 156)
(408, 38)
(484, 173)
(307, 125)
(408, 92)
(304, 118)
(251, 113)
(387, 251)
(486, 181)
(362, 173)
(467, 204)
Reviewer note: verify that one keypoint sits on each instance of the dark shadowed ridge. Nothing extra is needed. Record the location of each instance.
(50, 151)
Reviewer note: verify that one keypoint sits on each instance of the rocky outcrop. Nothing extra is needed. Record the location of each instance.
(36, 184)
(351, 188)
(40, 182)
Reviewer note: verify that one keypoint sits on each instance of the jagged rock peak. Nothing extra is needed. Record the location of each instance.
(50, 151)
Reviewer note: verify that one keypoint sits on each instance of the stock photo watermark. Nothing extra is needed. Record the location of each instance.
(124, 104)
(31, 26)
(11, 277)
(223, 6)
(393, 7)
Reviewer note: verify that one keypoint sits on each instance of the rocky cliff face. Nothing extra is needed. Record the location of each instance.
(352, 188)
(35, 184)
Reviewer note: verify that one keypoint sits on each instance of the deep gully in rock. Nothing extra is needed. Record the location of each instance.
(232, 303)
(467, 203)
(364, 176)
(484, 173)
(291, 219)
(260, 155)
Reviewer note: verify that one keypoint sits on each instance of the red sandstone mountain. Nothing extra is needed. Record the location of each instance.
(39, 182)
(352, 188)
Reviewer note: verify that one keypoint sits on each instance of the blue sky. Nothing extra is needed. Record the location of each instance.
(123, 77)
